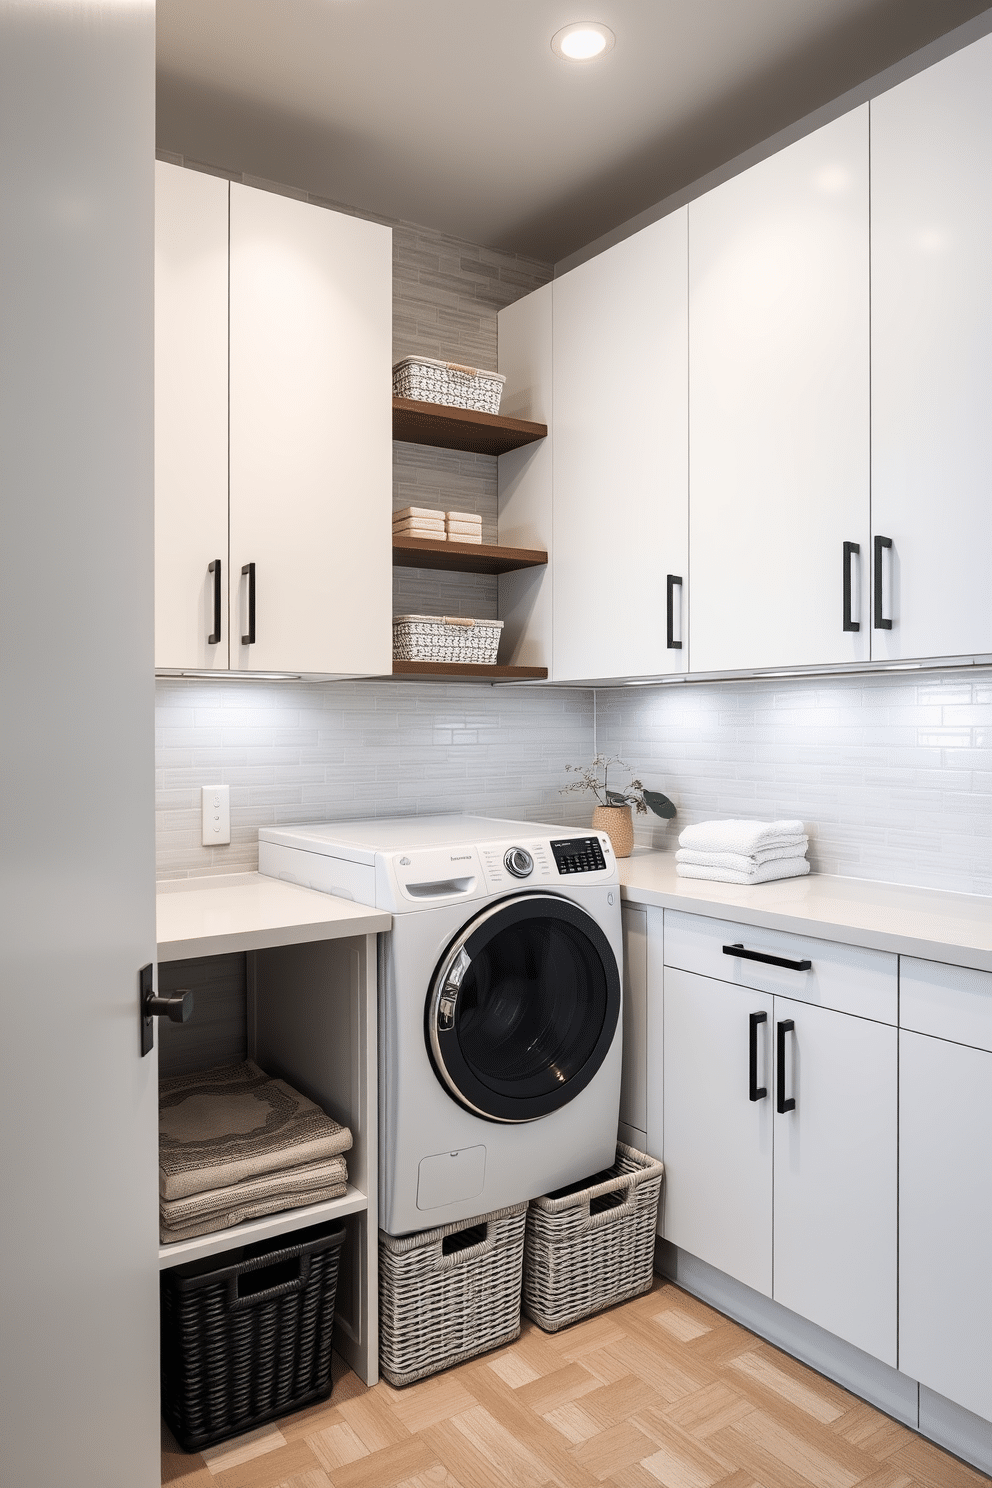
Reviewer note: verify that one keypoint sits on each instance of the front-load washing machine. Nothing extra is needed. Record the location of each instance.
(499, 1002)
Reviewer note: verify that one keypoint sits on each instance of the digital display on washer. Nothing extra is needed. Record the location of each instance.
(578, 855)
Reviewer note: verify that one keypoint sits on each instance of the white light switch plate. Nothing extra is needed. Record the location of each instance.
(215, 812)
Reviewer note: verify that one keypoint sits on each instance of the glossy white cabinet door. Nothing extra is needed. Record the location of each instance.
(311, 437)
(718, 1142)
(945, 1218)
(620, 438)
(835, 1175)
(525, 480)
(931, 249)
(191, 211)
(779, 406)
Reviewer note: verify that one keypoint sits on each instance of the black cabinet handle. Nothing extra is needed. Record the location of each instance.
(214, 568)
(249, 639)
(673, 579)
(851, 550)
(178, 1008)
(784, 1105)
(743, 955)
(880, 622)
(754, 1093)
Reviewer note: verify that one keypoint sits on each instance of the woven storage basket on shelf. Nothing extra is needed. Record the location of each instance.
(448, 1294)
(246, 1336)
(454, 386)
(593, 1247)
(445, 638)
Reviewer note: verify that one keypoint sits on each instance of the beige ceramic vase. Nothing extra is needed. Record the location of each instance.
(617, 823)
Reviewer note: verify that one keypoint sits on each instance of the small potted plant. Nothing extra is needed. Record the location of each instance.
(611, 814)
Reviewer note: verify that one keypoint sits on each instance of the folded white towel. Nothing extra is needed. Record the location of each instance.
(411, 529)
(765, 873)
(419, 511)
(464, 537)
(739, 836)
(469, 528)
(400, 524)
(741, 862)
(472, 518)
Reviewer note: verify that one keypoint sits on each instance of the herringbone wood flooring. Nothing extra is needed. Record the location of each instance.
(662, 1390)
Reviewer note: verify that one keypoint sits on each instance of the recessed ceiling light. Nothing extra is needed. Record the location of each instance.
(582, 41)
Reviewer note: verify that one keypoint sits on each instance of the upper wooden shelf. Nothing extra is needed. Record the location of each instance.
(461, 428)
(456, 557)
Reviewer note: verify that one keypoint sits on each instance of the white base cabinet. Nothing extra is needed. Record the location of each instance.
(945, 1181)
(780, 1121)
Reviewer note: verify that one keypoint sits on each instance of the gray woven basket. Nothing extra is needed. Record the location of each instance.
(593, 1248)
(436, 1309)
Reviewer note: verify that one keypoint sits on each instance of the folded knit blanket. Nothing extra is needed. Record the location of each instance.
(746, 837)
(223, 1126)
(764, 873)
(201, 1214)
(740, 862)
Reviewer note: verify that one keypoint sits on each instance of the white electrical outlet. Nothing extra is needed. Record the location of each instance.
(215, 814)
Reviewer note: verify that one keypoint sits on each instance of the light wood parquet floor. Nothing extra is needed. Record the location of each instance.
(662, 1390)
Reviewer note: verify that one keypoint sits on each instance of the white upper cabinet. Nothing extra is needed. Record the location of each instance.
(311, 438)
(190, 419)
(779, 407)
(931, 203)
(620, 452)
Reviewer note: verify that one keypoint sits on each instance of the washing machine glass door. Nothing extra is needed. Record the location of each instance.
(523, 1008)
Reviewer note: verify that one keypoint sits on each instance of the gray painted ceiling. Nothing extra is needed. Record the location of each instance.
(457, 115)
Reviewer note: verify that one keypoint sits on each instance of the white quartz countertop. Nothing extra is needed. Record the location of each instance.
(247, 912)
(937, 926)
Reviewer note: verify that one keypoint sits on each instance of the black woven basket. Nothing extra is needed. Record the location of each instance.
(249, 1339)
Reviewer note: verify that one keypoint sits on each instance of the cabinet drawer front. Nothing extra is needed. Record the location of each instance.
(848, 979)
(948, 1002)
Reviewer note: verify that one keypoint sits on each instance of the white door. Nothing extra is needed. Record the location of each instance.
(620, 436)
(311, 438)
(779, 407)
(191, 569)
(79, 1391)
(931, 250)
(718, 1139)
(835, 1173)
(945, 1218)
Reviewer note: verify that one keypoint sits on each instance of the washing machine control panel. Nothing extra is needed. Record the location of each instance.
(579, 855)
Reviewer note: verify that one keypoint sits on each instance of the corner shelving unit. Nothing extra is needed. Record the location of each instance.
(464, 429)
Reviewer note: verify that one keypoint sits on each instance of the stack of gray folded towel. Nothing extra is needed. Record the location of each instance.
(743, 852)
(235, 1144)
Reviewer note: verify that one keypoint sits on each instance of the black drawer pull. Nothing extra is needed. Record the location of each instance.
(754, 1092)
(851, 550)
(673, 579)
(743, 955)
(249, 639)
(214, 568)
(786, 1026)
(880, 622)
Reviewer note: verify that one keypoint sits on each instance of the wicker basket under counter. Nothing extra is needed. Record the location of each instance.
(445, 638)
(593, 1246)
(449, 1293)
(428, 381)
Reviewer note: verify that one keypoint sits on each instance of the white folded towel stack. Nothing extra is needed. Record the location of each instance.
(464, 527)
(743, 852)
(419, 521)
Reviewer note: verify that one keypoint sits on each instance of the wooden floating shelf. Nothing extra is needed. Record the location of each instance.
(457, 557)
(461, 428)
(450, 671)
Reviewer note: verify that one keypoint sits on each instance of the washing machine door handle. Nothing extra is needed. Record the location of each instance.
(455, 972)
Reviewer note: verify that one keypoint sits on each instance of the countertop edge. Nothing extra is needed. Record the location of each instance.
(950, 952)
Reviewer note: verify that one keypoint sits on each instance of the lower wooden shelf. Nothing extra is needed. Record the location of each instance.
(352, 1202)
(469, 671)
